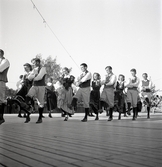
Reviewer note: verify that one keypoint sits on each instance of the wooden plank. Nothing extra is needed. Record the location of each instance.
(73, 143)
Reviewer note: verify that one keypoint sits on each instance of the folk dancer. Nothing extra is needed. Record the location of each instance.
(68, 84)
(95, 94)
(83, 93)
(4, 66)
(146, 92)
(107, 95)
(38, 89)
(51, 98)
(26, 84)
(65, 94)
(119, 96)
(132, 92)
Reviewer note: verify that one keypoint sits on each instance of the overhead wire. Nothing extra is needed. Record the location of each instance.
(44, 21)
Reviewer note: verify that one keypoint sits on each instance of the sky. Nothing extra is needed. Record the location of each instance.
(124, 34)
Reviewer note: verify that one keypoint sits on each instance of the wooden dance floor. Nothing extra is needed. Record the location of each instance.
(123, 143)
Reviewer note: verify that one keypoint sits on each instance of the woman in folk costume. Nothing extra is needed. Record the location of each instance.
(26, 84)
(95, 94)
(22, 91)
(65, 93)
(146, 86)
(51, 97)
(119, 95)
(132, 93)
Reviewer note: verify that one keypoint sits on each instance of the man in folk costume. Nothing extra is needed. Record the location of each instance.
(107, 95)
(132, 93)
(38, 89)
(4, 66)
(146, 92)
(84, 90)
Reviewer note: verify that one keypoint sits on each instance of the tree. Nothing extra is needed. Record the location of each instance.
(10, 92)
(53, 69)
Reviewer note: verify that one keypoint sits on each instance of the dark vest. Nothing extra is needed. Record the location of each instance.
(96, 85)
(40, 82)
(86, 83)
(134, 80)
(119, 87)
(3, 75)
(146, 83)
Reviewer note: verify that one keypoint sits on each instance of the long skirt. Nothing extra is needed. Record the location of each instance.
(51, 100)
(95, 99)
(119, 99)
(64, 99)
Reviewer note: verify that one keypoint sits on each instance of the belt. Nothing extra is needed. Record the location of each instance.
(147, 90)
(133, 88)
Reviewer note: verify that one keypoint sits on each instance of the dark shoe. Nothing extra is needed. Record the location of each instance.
(20, 116)
(24, 116)
(148, 117)
(110, 119)
(66, 119)
(100, 111)
(43, 116)
(125, 115)
(39, 121)
(119, 118)
(2, 121)
(62, 115)
(134, 118)
(84, 120)
(107, 114)
(96, 119)
(70, 115)
(50, 115)
(91, 115)
(128, 112)
(27, 119)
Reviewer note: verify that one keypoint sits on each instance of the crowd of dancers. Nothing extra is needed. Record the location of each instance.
(96, 95)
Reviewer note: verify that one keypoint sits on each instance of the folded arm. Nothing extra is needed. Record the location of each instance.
(112, 81)
(41, 74)
(87, 77)
(4, 64)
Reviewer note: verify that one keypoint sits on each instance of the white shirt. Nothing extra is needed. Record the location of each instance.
(37, 76)
(112, 80)
(4, 63)
(86, 77)
(130, 84)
